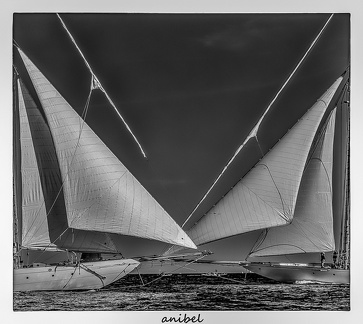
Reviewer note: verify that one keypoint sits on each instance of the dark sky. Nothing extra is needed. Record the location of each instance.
(191, 87)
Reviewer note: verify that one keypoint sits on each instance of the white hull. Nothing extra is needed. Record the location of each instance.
(86, 276)
(295, 272)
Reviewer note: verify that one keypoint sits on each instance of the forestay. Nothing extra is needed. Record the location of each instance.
(312, 227)
(100, 194)
(266, 196)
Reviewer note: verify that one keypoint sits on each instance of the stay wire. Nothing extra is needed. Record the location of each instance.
(159, 278)
(101, 87)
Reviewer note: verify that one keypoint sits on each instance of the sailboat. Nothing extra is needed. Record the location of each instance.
(73, 197)
(288, 196)
(312, 227)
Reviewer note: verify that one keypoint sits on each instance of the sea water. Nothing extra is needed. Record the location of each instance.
(232, 292)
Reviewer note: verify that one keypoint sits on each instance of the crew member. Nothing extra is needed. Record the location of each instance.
(335, 255)
(322, 259)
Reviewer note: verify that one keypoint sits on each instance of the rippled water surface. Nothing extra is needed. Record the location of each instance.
(185, 292)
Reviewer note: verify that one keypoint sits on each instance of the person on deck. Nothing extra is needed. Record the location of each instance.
(322, 259)
(335, 255)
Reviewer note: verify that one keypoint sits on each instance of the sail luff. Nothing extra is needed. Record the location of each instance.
(266, 196)
(311, 229)
(96, 185)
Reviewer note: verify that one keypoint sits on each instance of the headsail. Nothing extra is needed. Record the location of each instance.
(266, 196)
(100, 194)
(312, 227)
(35, 232)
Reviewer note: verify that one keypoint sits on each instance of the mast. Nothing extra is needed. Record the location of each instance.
(347, 217)
(16, 175)
(344, 249)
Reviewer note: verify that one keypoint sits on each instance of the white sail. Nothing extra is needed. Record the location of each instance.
(266, 196)
(43, 218)
(34, 217)
(100, 194)
(311, 229)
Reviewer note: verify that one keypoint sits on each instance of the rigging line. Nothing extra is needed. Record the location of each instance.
(188, 263)
(259, 146)
(344, 244)
(100, 85)
(255, 129)
(16, 71)
(261, 238)
(230, 279)
(85, 110)
(75, 269)
(163, 275)
(16, 44)
(142, 281)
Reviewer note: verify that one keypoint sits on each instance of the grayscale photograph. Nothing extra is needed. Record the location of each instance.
(181, 162)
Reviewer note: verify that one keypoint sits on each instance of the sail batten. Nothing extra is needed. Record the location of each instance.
(100, 194)
(266, 197)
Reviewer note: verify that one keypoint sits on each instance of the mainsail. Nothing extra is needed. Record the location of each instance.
(92, 192)
(266, 196)
(312, 227)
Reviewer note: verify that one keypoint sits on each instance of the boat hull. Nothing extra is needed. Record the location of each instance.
(85, 276)
(292, 272)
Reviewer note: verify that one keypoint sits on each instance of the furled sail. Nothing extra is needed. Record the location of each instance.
(312, 227)
(100, 195)
(266, 196)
